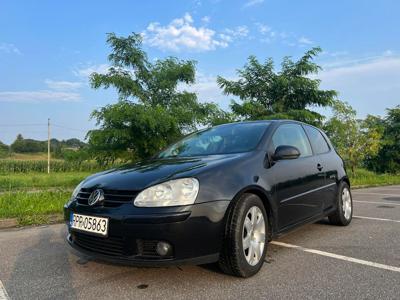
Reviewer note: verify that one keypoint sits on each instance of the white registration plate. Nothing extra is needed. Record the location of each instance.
(96, 225)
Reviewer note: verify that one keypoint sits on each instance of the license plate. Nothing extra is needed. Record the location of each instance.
(96, 225)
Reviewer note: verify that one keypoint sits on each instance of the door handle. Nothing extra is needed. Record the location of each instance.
(319, 167)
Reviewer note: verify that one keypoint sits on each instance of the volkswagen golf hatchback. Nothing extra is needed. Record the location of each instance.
(217, 195)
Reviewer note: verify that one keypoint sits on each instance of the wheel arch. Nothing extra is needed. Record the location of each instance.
(265, 198)
(345, 179)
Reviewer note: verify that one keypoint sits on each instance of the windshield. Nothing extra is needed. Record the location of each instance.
(224, 139)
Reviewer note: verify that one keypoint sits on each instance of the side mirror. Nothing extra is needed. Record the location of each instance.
(286, 152)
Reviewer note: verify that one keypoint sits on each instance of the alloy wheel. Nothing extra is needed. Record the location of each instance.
(346, 203)
(253, 235)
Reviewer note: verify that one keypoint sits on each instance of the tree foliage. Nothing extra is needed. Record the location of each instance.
(287, 94)
(152, 111)
(388, 156)
(22, 145)
(4, 150)
(355, 140)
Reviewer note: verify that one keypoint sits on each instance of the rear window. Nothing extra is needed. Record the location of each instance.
(318, 142)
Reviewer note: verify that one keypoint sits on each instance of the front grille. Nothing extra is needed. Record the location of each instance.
(114, 246)
(118, 246)
(113, 198)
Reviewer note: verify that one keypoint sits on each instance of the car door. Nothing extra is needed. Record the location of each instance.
(326, 165)
(295, 180)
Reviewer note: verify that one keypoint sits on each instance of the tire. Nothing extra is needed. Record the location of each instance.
(344, 206)
(244, 244)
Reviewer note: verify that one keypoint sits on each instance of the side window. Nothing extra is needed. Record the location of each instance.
(318, 142)
(292, 135)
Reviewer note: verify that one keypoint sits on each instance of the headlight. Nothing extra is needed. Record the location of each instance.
(75, 193)
(171, 193)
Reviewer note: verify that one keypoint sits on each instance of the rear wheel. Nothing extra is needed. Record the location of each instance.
(344, 210)
(244, 245)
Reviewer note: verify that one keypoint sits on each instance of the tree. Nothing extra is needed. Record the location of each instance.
(289, 93)
(388, 157)
(353, 139)
(4, 150)
(21, 145)
(151, 111)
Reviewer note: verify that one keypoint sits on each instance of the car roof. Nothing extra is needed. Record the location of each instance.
(272, 121)
(264, 121)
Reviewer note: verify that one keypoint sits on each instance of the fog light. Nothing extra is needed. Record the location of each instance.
(163, 248)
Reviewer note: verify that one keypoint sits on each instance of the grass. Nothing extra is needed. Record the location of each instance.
(37, 198)
(33, 208)
(363, 178)
(34, 180)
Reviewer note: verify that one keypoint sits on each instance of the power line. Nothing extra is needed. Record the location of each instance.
(24, 131)
(39, 124)
(69, 128)
(19, 125)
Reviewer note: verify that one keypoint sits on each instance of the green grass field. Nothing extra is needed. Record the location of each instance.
(364, 178)
(34, 198)
(32, 208)
(34, 180)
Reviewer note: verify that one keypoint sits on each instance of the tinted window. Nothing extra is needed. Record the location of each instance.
(292, 135)
(318, 142)
(224, 139)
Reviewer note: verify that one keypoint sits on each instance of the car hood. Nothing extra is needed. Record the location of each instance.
(144, 174)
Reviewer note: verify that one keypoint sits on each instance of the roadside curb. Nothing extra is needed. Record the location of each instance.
(8, 223)
(13, 222)
(364, 186)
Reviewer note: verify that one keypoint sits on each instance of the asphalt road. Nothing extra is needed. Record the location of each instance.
(361, 261)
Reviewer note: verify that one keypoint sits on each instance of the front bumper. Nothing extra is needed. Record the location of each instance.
(195, 233)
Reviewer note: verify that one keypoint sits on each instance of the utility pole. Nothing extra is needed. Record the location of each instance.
(48, 146)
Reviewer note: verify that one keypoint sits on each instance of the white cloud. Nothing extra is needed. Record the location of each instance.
(38, 96)
(182, 34)
(250, 3)
(369, 84)
(305, 41)
(63, 85)
(206, 19)
(269, 35)
(237, 32)
(264, 29)
(9, 49)
(86, 70)
(334, 54)
(388, 52)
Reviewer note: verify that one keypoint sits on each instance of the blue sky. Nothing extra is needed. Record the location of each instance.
(48, 49)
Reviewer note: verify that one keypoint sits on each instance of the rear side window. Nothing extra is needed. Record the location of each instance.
(292, 135)
(318, 142)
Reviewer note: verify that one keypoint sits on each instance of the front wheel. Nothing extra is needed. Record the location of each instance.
(344, 211)
(244, 246)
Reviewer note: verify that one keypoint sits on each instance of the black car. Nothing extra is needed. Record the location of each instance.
(217, 195)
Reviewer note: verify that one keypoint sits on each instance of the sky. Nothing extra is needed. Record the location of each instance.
(49, 48)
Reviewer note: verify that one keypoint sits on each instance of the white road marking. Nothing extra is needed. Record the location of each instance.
(373, 202)
(337, 256)
(3, 292)
(380, 194)
(376, 219)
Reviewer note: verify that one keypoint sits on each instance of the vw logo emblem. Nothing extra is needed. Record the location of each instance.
(95, 197)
